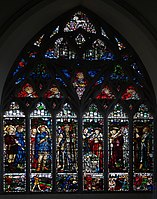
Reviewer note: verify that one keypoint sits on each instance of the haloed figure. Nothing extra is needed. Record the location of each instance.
(11, 145)
(42, 147)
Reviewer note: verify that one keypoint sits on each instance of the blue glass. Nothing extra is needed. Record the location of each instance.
(92, 73)
(60, 80)
(119, 77)
(50, 55)
(108, 56)
(66, 73)
(100, 81)
(21, 65)
(40, 71)
(20, 79)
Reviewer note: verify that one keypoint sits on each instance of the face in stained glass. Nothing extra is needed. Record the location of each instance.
(118, 147)
(130, 94)
(77, 62)
(66, 150)
(93, 150)
(27, 91)
(118, 182)
(118, 140)
(41, 182)
(14, 148)
(105, 94)
(40, 145)
(66, 146)
(53, 92)
(143, 147)
(143, 140)
(80, 84)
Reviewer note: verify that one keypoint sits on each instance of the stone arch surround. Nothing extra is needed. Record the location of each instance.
(28, 24)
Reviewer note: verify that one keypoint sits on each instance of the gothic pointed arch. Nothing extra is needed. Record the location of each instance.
(80, 100)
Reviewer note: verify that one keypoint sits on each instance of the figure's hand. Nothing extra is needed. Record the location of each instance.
(41, 141)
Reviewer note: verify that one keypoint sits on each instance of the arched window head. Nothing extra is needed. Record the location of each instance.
(79, 99)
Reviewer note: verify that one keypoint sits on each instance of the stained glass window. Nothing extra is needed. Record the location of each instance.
(130, 94)
(118, 74)
(79, 84)
(143, 149)
(80, 39)
(93, 150)
(21, 64)
(27, 91)
(105, 94)
(79, 20)
(14, 149)
(118, 149)
(38, 42)
(60, 49)
(78, 112)
(67, 150)
(40, 149)
(54, 32)
(99, 51)
(53, 92)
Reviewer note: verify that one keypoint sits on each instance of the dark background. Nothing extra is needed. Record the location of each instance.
(136, 20)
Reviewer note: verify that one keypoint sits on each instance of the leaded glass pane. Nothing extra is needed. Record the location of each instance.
(118, 148)
(79, 20)
(143, 150)
(40, 149)
(93, 150)
(66, 150)
(80, 84)
(93, 69)
(14, 149)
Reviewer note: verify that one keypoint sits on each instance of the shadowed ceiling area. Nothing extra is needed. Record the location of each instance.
(145, 11)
